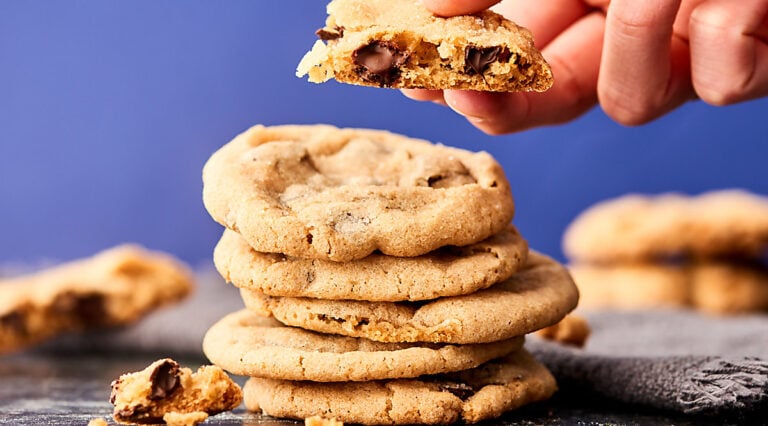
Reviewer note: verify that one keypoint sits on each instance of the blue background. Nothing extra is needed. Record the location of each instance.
(109, 109)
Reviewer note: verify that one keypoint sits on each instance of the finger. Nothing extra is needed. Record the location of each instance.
(644, 71)
(423, 94)
(729, 50)
(457, 7)
(546, 20)
(575, 60)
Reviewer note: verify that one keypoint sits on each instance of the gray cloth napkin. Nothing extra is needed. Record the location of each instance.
(675, 360)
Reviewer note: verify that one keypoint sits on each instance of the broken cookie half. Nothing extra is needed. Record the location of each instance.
(166, 393)
(400, 44)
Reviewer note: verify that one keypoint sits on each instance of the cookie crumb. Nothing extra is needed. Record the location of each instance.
(321, 421)
(165, 389)
(572, 330)
(98, 422)
(185, 419)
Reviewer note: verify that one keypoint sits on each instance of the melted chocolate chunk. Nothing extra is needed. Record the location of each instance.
(379, 62)
(478, 59)
(327, 34)
(461, 390)
(14, 321)
(164, 380)
(87, 309)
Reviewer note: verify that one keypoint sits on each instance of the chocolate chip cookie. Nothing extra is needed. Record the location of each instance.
(165, 391)
(723, 223)
(247, 344)
(541, 294)
(447, 271)
(400, 44)
(113, 288)
(322, 192)
(470, 396)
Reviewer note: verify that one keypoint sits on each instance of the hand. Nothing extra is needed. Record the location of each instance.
(639, 58)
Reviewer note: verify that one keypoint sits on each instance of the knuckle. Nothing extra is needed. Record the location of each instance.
(710, 15)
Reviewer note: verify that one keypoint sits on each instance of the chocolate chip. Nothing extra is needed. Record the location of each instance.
(15, 322)
(461, 390)
(164, 380)
(327, 34)
(379, 62)
(478, 59)
(87, 309)
(115, 389)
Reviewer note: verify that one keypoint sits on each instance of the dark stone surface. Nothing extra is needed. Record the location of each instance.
(71, 389)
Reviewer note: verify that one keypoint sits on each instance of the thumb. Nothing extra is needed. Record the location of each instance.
(457, 7)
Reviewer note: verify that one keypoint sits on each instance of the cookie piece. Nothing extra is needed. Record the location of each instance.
(538, 296)
(470, 396)
(113, 288)
(321, 421)
(400, 44)
(247, 344)
(725, 223)
(572, 330)
(339, 194)
(447, 271)
(164, 387)
(730, 287)
(631, 286)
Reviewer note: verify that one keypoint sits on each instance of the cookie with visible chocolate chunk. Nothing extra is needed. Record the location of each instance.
(165, 392)
(246, 344)
(635, 227)
(400, 44)
(322, 192)
(541, 294)
(470, 396)
(113, 288)
(447, 271)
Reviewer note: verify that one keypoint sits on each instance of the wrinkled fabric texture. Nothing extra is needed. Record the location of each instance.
(676, 360)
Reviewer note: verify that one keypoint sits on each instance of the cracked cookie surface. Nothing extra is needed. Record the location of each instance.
(246, 344)
(539, 295)
(400, 44)
(340, 194)
(447, 271)
(470, 396)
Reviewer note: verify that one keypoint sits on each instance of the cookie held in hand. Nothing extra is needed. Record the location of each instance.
(400, 44)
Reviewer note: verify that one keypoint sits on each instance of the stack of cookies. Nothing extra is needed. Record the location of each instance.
(382, 278)
(705, 252)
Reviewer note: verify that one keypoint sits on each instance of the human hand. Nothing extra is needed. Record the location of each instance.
(638, 59)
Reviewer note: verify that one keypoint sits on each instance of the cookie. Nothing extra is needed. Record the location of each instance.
(631, 286)
(717, 286)
(725, 223)
(730, 287)
(572, 330)
(339, 194)
(247, 344)
(447, 271)
(166, 391)
(539, 295)
(400, 44)
(113, 288)
(470, 396)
